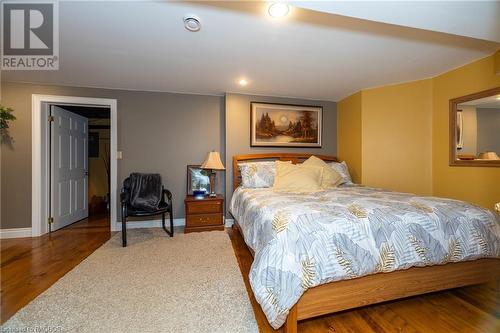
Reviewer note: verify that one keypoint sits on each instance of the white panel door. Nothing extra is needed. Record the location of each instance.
(69, 166)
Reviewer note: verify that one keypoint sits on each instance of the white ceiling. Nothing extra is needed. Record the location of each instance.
(310, 54)
(490, 102)
(477, 19)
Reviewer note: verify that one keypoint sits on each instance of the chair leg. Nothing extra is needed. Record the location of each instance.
(163, 222)
(171, 232)
(124, 230)
(171, 223)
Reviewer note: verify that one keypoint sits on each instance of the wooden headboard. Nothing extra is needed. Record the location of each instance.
(294, 157)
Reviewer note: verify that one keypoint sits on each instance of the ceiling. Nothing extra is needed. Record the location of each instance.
(309, 54)
(477, 19)
(490, 102)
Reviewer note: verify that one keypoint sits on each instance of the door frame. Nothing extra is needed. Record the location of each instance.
(40, 156)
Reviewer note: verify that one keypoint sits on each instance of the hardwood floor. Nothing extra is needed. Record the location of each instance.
(470, 309)
(29, 266)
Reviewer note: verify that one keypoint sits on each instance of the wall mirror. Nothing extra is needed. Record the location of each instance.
(475, 129)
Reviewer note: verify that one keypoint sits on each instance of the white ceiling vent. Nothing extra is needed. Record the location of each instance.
(192, 22)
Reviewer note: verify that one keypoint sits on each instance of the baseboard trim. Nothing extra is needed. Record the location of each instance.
(136, 224)
(228, 222)
(15, 233)
(26, 232)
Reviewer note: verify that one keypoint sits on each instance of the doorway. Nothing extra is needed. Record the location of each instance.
(62, 168)
(79, 164)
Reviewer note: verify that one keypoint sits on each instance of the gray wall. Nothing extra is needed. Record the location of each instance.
(157, 132)
(238, 130)
(488, 130)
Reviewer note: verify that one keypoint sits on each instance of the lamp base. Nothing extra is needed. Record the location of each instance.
(212, 184)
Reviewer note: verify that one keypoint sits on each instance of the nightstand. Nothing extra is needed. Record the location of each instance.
(204, 214)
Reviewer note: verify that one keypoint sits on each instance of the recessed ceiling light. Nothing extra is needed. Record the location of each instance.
(192, 22)
(243, 82)
(278, 9)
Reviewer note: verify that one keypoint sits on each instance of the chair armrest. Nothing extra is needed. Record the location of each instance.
(124, 197)
(166, 194)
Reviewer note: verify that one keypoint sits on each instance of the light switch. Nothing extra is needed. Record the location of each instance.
(119, 155)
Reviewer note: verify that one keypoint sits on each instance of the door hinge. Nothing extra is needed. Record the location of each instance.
(50, 220)
(51, 118)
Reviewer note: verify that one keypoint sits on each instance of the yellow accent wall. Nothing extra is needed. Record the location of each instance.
(497, 62)
(480, 185)
(404, 135)
(397, 136)
(349, 134)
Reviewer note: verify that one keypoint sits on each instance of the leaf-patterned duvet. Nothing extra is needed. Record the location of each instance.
(304, 240)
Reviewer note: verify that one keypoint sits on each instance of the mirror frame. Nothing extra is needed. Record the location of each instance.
(453, 125)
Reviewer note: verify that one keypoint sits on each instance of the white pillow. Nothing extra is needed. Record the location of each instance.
(343, 170)
(257, 174)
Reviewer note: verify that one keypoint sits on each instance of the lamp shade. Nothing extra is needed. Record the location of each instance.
(489, 155)
(213, 162)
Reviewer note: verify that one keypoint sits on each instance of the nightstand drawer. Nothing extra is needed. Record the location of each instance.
(203, 220)
(204, 207)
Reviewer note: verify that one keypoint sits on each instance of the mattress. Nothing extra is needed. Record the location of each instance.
(304, 240)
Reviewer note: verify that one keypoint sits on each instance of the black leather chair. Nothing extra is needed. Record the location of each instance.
(164, 207)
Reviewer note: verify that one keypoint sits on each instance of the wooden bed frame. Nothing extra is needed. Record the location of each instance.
(348, 294)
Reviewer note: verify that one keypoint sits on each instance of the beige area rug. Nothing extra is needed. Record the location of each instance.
(188, 283)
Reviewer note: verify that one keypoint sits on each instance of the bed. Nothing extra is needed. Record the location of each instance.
(337, 249)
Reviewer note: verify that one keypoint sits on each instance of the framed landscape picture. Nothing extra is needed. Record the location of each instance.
(197, 179)
(282, 125)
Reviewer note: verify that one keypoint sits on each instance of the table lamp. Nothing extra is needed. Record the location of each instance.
(489, 155)
(213, 163)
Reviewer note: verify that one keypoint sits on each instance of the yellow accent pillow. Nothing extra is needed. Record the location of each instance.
(331, 178)
(297, 178)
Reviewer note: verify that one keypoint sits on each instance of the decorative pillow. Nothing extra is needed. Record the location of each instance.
(257, 174)
(331, 178)
(297, 178)
(343, 171)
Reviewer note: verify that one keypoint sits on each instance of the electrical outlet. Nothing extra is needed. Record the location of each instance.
(497, 207)
(119, 155)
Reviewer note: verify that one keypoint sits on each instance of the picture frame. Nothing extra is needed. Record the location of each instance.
(285, 125)
(197, 179)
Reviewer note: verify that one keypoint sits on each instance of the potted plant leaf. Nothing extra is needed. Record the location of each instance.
(6, 116)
